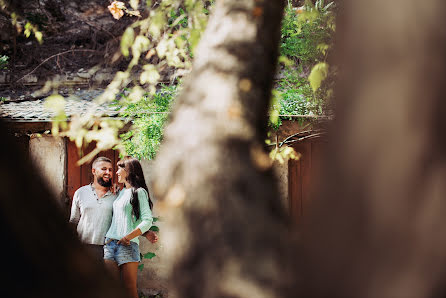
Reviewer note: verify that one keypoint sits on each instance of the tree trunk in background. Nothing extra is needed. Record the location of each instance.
(376, 227)
(378, 224)
(225, 228)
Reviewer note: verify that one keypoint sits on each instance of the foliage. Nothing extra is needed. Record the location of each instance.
(27, 27)
(149, 115)
(283, 153)
(307, 32)
(3, 61)
(306, 40)
(149, 255)
(167, 34)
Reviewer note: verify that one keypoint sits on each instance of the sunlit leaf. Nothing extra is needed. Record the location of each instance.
(127, 40)
(39, 36)
(285, 61)
(194, 38)
(56, 104)
(134, 4)
(149, 75)
(140, 45)
(136, 94)
(161, 48)
(323, 47)
(317, 75)
(158, 22)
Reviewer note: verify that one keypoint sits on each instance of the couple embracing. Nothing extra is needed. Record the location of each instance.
(109, 221)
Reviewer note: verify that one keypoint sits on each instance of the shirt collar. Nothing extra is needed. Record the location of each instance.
(94, 190)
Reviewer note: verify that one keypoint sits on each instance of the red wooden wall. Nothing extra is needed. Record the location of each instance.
(303, 176)
(78, 176)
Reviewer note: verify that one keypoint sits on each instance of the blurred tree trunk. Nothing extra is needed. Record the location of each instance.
(376, 226)
(219, 199)
(378, 223)
(42, 256)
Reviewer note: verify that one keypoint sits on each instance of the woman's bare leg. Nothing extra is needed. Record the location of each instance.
(113, 268)
(129, 273)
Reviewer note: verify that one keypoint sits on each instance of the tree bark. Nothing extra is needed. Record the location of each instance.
(377, 227)
(225, 228)
(41, 256)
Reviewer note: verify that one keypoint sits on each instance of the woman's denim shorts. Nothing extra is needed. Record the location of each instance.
(120, 253)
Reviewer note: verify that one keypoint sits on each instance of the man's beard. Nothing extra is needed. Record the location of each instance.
(104, 183)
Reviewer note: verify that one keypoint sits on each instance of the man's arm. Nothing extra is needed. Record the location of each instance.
(75, 214)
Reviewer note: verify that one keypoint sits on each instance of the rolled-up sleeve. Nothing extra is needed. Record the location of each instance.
(146, 218)
(75, 210)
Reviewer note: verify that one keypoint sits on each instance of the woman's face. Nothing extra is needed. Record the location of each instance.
(122, 175)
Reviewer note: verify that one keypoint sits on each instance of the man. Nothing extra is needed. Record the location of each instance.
(91, 210)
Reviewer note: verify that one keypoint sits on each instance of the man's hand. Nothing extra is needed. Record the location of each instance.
(151, 236)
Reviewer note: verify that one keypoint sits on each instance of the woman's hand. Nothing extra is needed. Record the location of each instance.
(151, 236)
(124, 241)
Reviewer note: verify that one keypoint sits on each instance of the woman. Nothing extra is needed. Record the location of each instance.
(132, 216)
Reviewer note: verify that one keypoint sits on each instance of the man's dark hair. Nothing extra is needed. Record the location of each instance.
(99, 159)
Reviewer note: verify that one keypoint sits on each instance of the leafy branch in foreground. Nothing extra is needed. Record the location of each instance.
(161, 40)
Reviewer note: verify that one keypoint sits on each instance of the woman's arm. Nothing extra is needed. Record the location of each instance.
(145, 218)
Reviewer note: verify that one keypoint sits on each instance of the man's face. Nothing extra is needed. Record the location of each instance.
(102, 173)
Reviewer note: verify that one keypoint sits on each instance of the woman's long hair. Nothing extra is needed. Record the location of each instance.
(135, 177)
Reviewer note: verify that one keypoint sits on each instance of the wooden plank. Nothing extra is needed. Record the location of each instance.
(317, 150)
(305, 150)
(86, 175)
(73, 171)
(295, 189)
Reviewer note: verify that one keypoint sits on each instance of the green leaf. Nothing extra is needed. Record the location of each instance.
(55, 103)
(155, 219)
(38, 36)
(149, 75)
(194, 38)
(286, 61)
(323, 47)
(149, 255)
(140, 267)
(134, 4)
(140, 45)
(127, 40)
(317, 75)
(274, 117)
(158, 22)
(154, 229)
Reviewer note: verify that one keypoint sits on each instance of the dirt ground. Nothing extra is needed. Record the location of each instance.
(80, 38)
